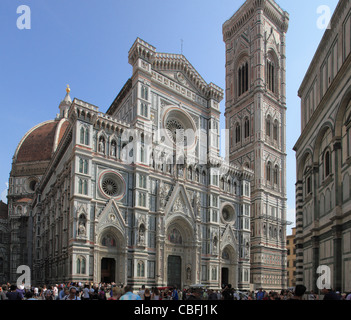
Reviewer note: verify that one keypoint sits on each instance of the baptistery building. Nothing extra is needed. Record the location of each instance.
(323, 158)
(135, 195)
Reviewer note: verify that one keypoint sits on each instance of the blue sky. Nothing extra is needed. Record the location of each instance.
(85, 44)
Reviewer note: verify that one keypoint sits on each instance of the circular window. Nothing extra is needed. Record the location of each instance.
(228, 213)
(31, 184)
(112, 185)
(172, 125)
(176, 119)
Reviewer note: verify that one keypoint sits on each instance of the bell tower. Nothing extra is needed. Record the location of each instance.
(256, 119)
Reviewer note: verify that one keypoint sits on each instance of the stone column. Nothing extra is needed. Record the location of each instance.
(337, 272)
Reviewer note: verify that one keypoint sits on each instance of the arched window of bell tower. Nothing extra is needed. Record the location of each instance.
(243, 78)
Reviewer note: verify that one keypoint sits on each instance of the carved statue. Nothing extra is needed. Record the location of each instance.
(188, 273)
(162, 195)
(113, 149)
(198, 203)
(81, 229)
(102, 146)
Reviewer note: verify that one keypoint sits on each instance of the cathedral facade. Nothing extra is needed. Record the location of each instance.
(139, 194)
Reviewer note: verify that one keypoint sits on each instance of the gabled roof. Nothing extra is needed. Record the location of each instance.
(173, 62)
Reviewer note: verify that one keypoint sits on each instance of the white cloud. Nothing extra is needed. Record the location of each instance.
(4, 193)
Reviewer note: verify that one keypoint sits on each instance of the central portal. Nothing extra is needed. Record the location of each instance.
(108, 267)
(225, 276)
(174, 271)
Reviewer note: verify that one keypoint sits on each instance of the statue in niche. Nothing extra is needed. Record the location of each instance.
(188, 273)
(81, 229)
(198, 203)
(247, 250)
(215, 243)
(180, 171)
(113, 149)
(101, 145)
(81, 225)
(141, 235)
(162, 195)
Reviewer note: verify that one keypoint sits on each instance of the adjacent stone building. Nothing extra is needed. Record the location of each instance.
(323, 158)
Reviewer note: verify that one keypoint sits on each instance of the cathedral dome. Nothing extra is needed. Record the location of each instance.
(39, 143)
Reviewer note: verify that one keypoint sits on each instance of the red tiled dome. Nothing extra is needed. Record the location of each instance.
(39, 143)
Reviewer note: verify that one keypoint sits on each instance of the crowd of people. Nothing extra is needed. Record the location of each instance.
(111, 291)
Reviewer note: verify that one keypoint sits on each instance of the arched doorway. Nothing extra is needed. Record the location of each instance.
(180, 254)
(110, 257)
(174, 274)
(108, 270)
(229, 267)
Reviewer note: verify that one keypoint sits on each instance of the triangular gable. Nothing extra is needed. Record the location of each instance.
(177, 67)
(179, 203)
(111, 216)
(228, 238)
(272, 42)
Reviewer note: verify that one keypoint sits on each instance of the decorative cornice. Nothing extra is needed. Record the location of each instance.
(324, 45)
(271, 9)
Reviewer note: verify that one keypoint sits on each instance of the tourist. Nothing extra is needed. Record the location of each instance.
(129, 295)
(147, 294)
(312, 296)
(85, 293)
(330, 294)
(72, 294)
(212, 295)
(141, 292)
(13, 294)
(299, 292)
(260, 294)
(63, 293)
(155, 294)
(102, 293)
(174, 294)
(3, 293)
(116, 293)
(29, 296)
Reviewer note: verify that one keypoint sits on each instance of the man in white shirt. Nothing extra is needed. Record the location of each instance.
(85, 294)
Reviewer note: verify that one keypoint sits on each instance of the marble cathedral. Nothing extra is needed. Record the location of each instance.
(130, 195)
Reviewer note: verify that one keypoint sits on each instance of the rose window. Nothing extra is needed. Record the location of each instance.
(172, 126)
(228, 213)
(112, 185)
